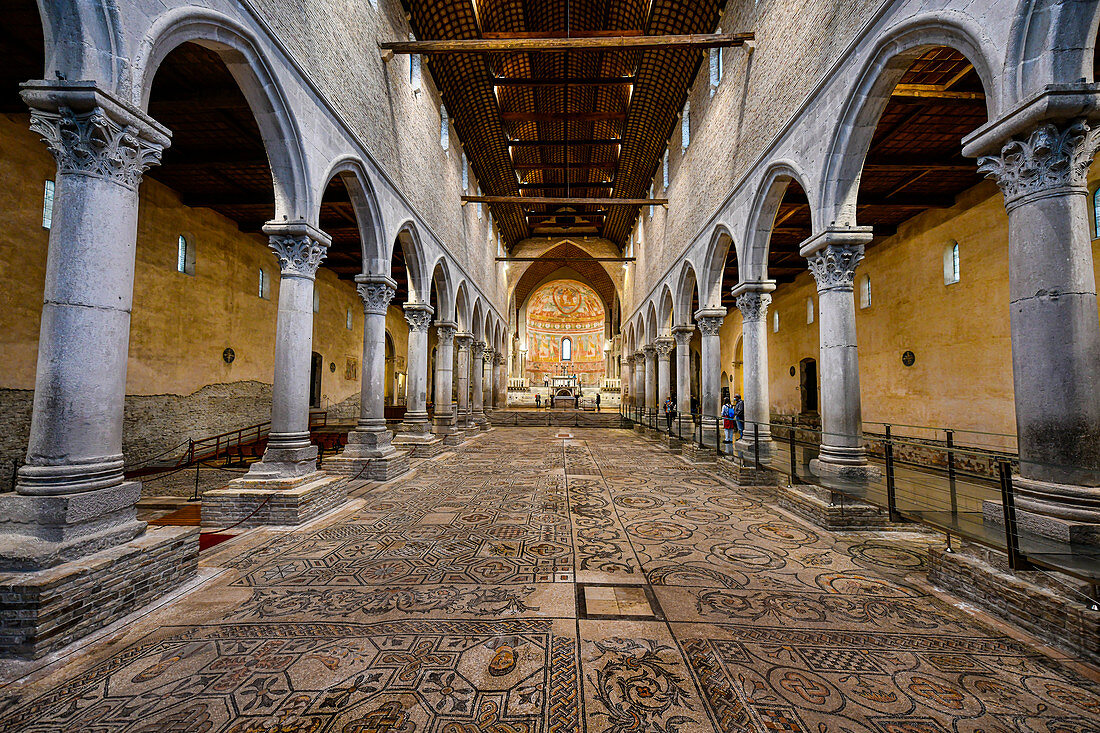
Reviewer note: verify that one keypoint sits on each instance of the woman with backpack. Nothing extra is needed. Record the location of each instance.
(727, 421)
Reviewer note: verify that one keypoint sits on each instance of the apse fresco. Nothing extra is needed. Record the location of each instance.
(565, 309)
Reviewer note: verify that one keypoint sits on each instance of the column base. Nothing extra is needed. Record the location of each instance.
(46, 609)
(369, 455)
(697, 453)
(831, 510)
(1056, 511)
(674, 444)
(744, 473)
(457, 437)
(746, 448)
(842, 462)
(419, 445)
(38, 532)
(283, 501)
(282, 463)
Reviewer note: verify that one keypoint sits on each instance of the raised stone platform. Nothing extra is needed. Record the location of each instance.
(697, 453)
(832, 510)
(458, 437)
(674, 444)
(266, 505)
(373, 469)
(44, 610)
(745, 475)
(1025, 598)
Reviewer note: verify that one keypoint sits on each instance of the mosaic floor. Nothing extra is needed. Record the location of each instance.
(529, 582)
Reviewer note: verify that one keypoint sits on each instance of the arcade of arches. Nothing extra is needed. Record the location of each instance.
(546, 365)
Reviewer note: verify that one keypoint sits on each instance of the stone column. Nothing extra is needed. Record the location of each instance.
(477, 382)
(753, 300)
(416, 428)
(639, 380)
(832, 258)
(290, 458)
(682, 335)
(626, 392)
(500, 386)
(1055, 331)
(709, 321)
(70, 498)
(650, 352)
(488, 379)
(664, 346)
(370, 452)
(464, 343)
(443, 418)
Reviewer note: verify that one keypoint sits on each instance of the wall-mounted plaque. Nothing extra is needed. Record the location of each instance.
(908, 358)
(332, 367)
(793, 371)
(228, 356)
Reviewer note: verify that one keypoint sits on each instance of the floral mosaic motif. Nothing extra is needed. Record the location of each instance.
(268, 603)
(638, 687)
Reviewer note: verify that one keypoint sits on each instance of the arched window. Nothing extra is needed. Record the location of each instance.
(951, 263)
(566, 348)
(685, 127)
(775, 321)
(316, 300)
(347, 320)
(444, 128)
(465, 174)
(865, 292)
(1095, 213)
(185, 256)
(265, 285)
(715, 69)
(809, 310)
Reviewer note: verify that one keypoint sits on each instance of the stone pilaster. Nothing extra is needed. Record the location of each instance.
(651, 404)
(500, 385)
(753, 300)
(1055, 333)
(290, 458)
(370, 452)
(70, 499)
(832, 258)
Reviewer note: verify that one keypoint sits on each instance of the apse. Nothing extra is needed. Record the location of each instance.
(565, 332)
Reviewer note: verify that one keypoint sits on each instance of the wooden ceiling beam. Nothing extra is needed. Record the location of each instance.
(933, 91)
(885, 164)
(562, 116)
(564, 81)
(571, 166)
(527, 200)
(562, 143)
(562, 186)
(544, 44)
(505, 35)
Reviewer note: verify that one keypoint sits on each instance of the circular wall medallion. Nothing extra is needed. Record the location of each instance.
(228, 356)
(792, 371)
(908, 358)
(332, 366)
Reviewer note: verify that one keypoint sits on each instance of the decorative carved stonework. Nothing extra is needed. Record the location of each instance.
(299, 255)
(419, 318)
(664, 347)
(629, 360)
(1050, 159)
(753, 306)
(639, 356)
(834, 266)
(93, 144)
(682, 335)
(376, 297)
(709, 325)
(498, 358)
(464, 342)
(649, 350)
(477, 349)
(445, 332)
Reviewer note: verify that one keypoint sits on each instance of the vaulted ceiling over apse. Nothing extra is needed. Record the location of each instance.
(565, 332)
(565, 107)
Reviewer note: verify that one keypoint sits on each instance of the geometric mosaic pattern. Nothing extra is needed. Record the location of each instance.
(447, 601)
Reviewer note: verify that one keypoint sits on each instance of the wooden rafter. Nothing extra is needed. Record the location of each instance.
(525, 200)
(577, 166)
(562, 143)
(562, 116)
(562, 81)
(544, 44)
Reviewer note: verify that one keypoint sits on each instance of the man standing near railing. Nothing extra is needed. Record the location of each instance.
(670, 412)
(739, 415)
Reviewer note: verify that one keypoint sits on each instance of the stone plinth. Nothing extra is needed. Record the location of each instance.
(1024, 597)
(746, 474)
(44, 610)
(674, 444)
(697, 453)
(1043, 525)
(455, 437)
(831, 510)
(419, 445)
(260, 505)
(39, 532)
(369, 455)
(855, 471)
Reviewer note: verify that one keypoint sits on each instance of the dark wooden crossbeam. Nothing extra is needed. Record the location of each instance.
(888, 164)
(566, 259)
(579, 201)
(573, 166)
(564, 81)
(562, 186)
(562, 143)
(504, 35)
(545, 44)
(562, 116)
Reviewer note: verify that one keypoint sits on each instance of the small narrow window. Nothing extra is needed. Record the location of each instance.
(865, 292)
(47, 206)
(664, 168)
(809, 310)
(444, 128)
(566, 349)
(185, 256)
(715, 69)
(347, 320)
(414, 69)
(265, 285)
(1095, 209)
(316, 300)
(951, 263)
(685, 126)
(465, 174)
(775, 321)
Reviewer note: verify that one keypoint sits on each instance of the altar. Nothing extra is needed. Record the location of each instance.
(564, 389)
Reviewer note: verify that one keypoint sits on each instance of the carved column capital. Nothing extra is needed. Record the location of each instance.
(709, 325)
(682, 335)
(95, 143)
(629, 359)
(419, 316)
(477, 349)
(664, 346)
(834, 266)
(1052, 160)
(376, 291)
(464, 342)
(299, 246)
(753, 305)
(445, 331)
(498, 358)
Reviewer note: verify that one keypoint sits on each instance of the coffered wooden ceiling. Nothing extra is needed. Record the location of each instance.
(590, 123)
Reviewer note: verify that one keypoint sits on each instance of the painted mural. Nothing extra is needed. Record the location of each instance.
(565, 309)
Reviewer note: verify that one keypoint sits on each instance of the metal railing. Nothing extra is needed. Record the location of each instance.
(931, 487)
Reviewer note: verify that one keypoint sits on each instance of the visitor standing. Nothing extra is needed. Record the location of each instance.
(670, 411)
(577, 400)
(739, 415)
(727, 421)
(597, 402)
(538, 400)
